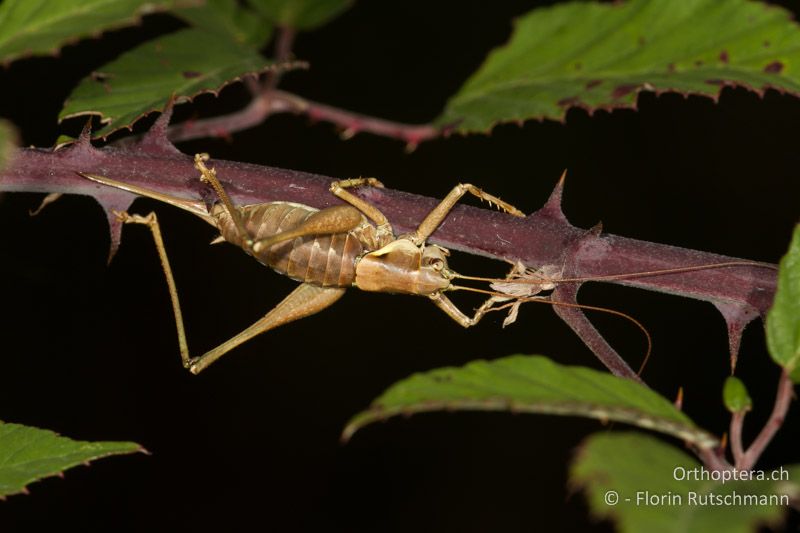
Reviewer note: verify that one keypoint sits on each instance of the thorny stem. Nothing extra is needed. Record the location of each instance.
(273, 102)
(783, 400)
(543, 238)
(353, 123)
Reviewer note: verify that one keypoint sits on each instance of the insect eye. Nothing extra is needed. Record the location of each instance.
(437, 264)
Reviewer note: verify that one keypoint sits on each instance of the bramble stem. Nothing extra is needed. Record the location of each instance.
(783, 399)
(737, 449)
(538, 239)
(272, 102)
(712, 459)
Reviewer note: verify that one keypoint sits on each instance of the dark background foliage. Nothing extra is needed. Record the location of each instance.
(90, 350)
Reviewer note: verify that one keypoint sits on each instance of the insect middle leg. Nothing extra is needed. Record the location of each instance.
(305, 300)
(339, 189)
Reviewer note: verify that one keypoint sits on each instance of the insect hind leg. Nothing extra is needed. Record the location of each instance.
(306, 300)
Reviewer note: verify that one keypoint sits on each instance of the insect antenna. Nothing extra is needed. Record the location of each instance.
(515, 300)
(541, 279)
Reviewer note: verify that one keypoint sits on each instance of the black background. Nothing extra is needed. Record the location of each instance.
(89, 350)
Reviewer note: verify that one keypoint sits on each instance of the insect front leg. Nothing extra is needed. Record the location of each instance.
(429, 225)
(438, 214)
(445, 304)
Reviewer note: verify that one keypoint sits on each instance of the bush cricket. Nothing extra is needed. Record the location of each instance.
(328, 250)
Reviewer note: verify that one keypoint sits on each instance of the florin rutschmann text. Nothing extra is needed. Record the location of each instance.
(711, 494)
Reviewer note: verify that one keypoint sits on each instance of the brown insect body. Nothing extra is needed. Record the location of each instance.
(360, 257)
(324, 260)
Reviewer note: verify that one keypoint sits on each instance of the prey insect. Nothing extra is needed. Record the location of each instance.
(327, 250)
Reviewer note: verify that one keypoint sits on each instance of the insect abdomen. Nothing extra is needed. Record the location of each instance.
(325, 260)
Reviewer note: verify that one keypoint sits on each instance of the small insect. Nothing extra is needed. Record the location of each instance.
(327, 250)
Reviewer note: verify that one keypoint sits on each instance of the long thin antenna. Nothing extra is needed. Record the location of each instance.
(630, 275)
(546, 300)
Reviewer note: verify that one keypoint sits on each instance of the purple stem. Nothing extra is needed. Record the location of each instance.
(783, 400)
(273, 101)
(543, 238)
(737, 449)
(713, 459)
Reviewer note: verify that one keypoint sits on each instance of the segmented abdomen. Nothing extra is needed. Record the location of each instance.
(325, 260)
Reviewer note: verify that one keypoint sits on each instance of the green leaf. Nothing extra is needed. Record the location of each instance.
(31, 27)
(29, 454)
(183, 64)
(735, 395)
(300, 14)
(8, 142)
(682, 496)
(599, 56)
(532, 384)
(229, 19)
(783, 320)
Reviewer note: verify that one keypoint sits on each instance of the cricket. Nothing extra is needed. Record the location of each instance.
(327, 250)
(350, 245)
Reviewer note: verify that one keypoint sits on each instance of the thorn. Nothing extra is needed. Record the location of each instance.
(112, 203)
(115, 234)
(552, 208)
(161, 123)
(723, 442)
(156, 139)
(348, 134)
(85, 138)
(679, 399)
(736, 319)
(597, 229)
(223, 134)
(82, 145)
